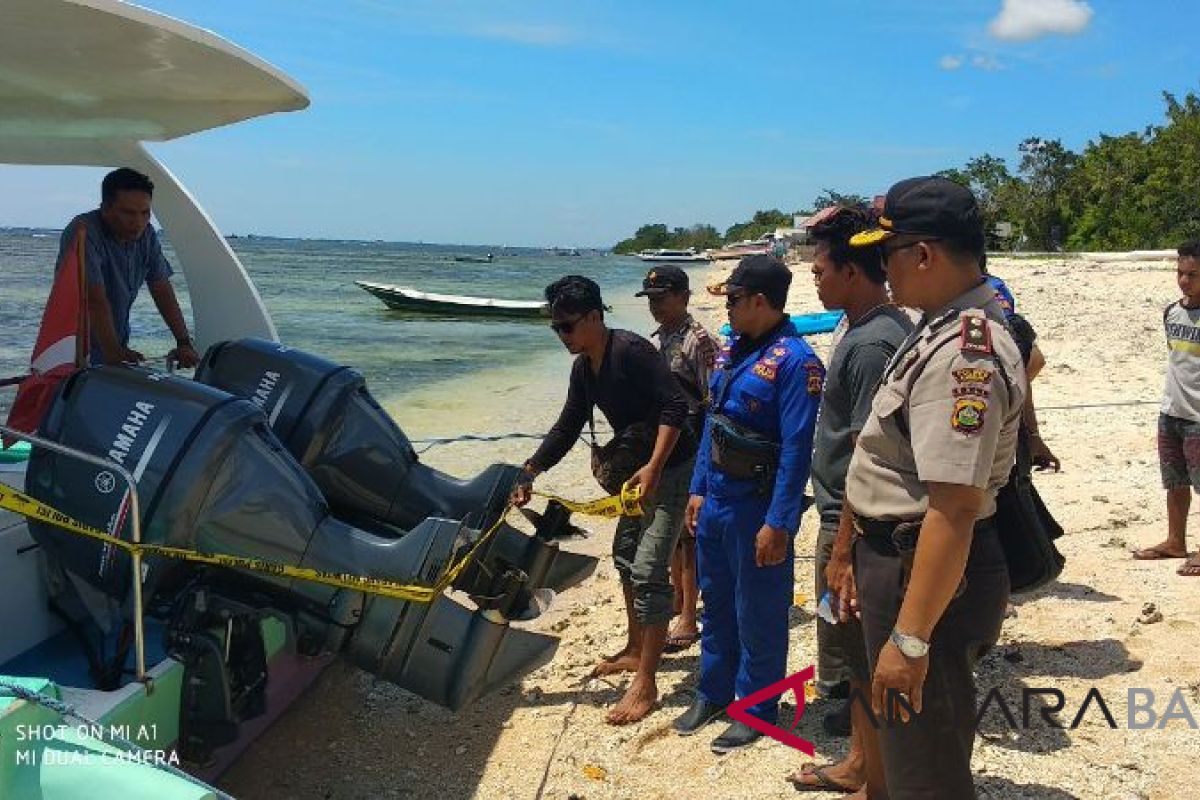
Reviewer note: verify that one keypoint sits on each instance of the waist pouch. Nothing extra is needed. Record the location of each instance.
(743, 454)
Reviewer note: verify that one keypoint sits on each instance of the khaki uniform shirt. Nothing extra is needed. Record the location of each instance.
(947, 411)
(689, 351)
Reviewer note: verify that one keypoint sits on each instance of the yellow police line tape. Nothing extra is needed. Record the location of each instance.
(23, 504)
(625, 504)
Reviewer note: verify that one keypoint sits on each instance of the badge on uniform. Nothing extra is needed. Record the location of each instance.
(766, 369)
(972, 375)
(967, 416)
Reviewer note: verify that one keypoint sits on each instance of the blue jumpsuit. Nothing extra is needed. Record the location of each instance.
(775, 390)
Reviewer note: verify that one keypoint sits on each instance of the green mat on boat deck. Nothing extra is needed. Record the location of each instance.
(43, 757)
(18, 452)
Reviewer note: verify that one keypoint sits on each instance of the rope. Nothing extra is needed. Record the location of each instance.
(431, 443)
(106, 733)
(1042, 408)
(541, 790)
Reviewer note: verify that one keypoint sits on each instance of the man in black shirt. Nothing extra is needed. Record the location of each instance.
(625, 377)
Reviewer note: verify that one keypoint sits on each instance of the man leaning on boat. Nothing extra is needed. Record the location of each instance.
(123, 252)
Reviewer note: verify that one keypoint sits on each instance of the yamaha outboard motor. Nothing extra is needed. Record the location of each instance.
(366, 467)
(213, 477)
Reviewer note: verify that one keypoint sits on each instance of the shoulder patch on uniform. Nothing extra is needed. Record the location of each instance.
(976, 335)
(816, 376)
(967, 416)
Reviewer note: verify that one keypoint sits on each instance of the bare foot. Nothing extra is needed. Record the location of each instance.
(639, 700)
(627, 650)
(684, 630)
(625, 663)
(1167, 549)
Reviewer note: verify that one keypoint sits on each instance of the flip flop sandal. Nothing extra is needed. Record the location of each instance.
(680, 642)
(1190, 568)
(1154, 554)
(824, 782)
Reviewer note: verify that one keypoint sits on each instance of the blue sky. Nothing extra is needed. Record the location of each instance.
(525, 122)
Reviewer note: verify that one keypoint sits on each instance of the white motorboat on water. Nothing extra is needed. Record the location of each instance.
(303, 527)
(404, 298)
(663, 255)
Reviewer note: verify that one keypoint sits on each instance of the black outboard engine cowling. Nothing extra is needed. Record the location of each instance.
(365, 465)
(213, 477)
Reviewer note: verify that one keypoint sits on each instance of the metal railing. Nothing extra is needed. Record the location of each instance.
(139, 628)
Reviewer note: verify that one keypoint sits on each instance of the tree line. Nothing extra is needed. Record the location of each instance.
(1139, 190)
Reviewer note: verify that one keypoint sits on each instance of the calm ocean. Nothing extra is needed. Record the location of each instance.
(308, 287)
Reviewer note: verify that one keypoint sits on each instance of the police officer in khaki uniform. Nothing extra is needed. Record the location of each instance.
(690, 352)
(931, 577)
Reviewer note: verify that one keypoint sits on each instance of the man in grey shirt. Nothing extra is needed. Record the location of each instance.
(852, 279)
(1179, 417)
(121, 253)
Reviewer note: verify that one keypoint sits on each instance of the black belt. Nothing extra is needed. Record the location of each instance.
(884, 528)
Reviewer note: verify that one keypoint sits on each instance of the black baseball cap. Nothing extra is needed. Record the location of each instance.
(925, 206)
(757, 274)
(660, 280)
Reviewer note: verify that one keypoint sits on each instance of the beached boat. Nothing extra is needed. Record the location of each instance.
(746, 247)
(806, 324)
(404, 298)
(275, 465)
(663, 255)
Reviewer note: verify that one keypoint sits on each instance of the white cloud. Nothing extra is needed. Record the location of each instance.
(949, 62)
(986, 62)
(540, 35)
(1023, 20)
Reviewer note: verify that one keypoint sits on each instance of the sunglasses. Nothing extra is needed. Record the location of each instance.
(886, 252)
(565, 327)
(732, 298)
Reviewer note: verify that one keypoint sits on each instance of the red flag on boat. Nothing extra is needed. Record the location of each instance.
(63, 342)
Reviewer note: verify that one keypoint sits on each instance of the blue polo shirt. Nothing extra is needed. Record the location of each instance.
(1003, 296)
(120, 267)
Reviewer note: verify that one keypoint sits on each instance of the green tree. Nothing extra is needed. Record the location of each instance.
(763, 222)
(1042, 208)
(647, 237)
(831, 197)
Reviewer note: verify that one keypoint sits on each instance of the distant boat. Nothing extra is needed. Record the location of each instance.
(404, 298)
(743, 248)
(476, 259)
(663, 255)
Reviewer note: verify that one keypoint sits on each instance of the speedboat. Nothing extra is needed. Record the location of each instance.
(663, 255)
(294, 521)
(404, 298)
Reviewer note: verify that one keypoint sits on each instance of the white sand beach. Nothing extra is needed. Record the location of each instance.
(353, 737)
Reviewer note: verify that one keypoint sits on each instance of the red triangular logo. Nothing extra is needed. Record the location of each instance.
(796, 682)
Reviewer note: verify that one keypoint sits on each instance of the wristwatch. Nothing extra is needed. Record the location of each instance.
(910, 646)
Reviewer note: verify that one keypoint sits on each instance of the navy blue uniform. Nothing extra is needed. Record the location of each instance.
(774, 389)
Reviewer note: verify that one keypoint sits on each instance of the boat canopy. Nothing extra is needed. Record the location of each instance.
(84, 82)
